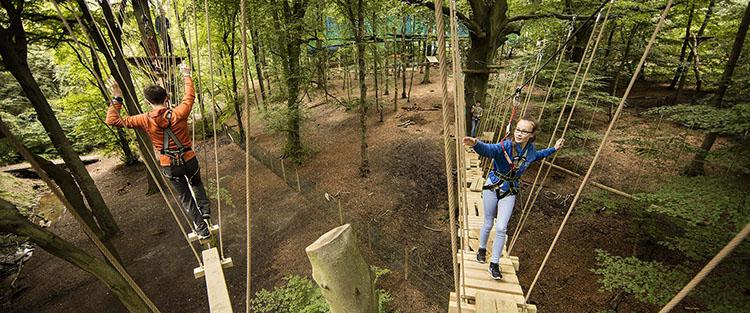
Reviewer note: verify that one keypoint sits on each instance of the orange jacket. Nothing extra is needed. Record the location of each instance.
(155, 122)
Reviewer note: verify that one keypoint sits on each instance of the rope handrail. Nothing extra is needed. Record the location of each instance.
(248, 213)
(567, 122)
(615, 117)
(720, 256)
(440, 26)
(213, 123)
(459, 123)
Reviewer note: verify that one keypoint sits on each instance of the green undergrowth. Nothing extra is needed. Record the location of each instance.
(686, 220)
(301, 295)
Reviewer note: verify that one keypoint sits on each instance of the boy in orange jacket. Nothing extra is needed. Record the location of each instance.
(169, 132)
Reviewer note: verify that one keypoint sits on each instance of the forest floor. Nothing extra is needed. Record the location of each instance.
(403, 199)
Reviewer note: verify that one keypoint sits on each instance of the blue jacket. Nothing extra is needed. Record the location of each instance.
(500, 164)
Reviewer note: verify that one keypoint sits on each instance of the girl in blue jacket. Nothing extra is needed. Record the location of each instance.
(510, 159)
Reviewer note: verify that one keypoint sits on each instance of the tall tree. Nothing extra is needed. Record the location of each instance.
(228, 11)
(288, 18)
(65, 182)
(354, 12)
(696, 166)
(685, 41)
(489, 27)
(13, 50)
(120, 71)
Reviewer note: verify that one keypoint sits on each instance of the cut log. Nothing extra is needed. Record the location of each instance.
(344, 278)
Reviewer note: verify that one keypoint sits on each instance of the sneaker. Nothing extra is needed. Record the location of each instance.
(495, 271)
(482, 255)
(203, 233)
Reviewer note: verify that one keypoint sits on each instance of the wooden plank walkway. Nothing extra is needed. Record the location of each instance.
(482, 293)
(216, 286)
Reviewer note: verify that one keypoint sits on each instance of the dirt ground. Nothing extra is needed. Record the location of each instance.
(404, 197)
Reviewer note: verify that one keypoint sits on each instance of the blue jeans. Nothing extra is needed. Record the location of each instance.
(474, 127)
(500, 209)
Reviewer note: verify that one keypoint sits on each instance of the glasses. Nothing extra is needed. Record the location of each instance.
(524, 132)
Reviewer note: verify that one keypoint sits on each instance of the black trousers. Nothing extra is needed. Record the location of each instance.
(186, 180)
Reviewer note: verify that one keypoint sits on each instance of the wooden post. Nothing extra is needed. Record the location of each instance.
(406, 262)
(339, 269)
(369, 237)
(283, 171)
(341, 214)
(299, 188)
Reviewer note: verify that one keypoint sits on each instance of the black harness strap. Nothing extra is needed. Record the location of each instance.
(176, 156)
(515, 162)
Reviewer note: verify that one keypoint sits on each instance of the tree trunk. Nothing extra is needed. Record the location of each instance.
(121, 73)
(403, 58)
(290, 45)
(294, 144)
(146, 29)
(696, 167)
(386, 66)
(13, 222)
(231, 47)
(128, 157)
(344, 278)
(13, 49)
(66, 183)
(623, 61)
(376, 60)
(413, 68)
(427, 66)
(693, 57)
(256, 56)
(395, 72)
(364, 168)
(683, 50)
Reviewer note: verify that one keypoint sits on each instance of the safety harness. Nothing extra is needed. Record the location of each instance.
(515, 162)
(176, 157)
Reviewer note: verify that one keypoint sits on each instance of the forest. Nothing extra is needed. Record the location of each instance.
(337, 156)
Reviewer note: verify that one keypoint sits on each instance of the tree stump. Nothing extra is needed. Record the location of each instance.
(341, 272)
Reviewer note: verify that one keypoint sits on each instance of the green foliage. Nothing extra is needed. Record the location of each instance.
(648, 281)
(301, 295)
(707, 212)
(733, 120)
(298, 294)
(735, 156)
(19, 192)
(276, 117)
(223, 194)
(694, 217)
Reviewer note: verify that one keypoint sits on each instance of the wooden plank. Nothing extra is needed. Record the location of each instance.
(199, 272)
(483, 281)
(465, 307)
(471, 293)
(485, 303)
(216, 285)
(192, 236)
(488, 302)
